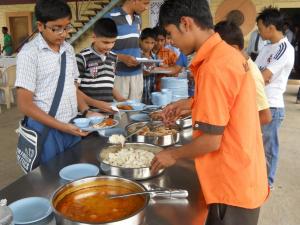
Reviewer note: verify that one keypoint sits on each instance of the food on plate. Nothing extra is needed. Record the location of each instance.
(92, 205)
(129, 157)
(117, 139)
(106, 123)
(125, 107)
(157, 131)
(156, 116)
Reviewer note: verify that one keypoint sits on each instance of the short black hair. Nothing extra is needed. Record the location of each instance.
(148, 33)
(230, 33)
(172, 10)
(271, 16)
(105, 27)
(5, 29)
(50, 10)
(158, 30)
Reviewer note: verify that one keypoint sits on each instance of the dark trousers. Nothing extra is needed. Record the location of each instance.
(298, 95)
(221, 214)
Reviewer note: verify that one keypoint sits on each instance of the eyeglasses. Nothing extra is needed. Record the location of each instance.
(60, 30)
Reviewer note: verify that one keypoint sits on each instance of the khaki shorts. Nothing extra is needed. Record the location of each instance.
(130, 87)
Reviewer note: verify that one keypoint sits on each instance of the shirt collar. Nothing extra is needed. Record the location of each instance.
(42, 44)
(122, 12)
(97, 53)
(205, 50)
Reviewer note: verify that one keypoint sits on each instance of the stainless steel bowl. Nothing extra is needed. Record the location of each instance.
(87, 186)
(185, 122)
(165, 140)
(130, 173)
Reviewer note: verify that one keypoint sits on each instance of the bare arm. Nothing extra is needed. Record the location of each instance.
(27, 106)
(118, 96)
(265, 116)
(86, 100)
(128, 60)
(204, 144)
(267, 75)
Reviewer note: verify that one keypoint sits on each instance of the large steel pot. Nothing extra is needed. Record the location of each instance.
(130, 173)
(87, 190)
(165, 140)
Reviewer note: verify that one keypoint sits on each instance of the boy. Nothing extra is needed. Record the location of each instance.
(38, 69)
(168, 56)
(233, 36)
(129, 79)
(276, 62)
(147, 42)
(227, 145)
(170, 45)
(97, 66)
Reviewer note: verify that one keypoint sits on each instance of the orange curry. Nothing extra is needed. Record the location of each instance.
(92, 205)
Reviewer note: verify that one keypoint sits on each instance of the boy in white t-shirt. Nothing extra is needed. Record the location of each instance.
(275, 61)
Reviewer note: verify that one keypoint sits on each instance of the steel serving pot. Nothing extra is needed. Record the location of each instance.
(130, 173)
(163, 141)
(85, 187)
(185, 122)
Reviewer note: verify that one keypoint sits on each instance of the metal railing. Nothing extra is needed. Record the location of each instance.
(92, 21)
(30, 37)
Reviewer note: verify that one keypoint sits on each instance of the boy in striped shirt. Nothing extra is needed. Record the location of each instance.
(97, 66)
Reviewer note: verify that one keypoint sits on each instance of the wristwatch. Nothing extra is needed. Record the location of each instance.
(85, 112)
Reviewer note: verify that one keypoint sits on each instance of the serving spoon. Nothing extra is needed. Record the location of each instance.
(169, 193)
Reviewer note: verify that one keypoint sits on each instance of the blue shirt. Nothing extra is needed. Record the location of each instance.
(127, 40)
(182, 60)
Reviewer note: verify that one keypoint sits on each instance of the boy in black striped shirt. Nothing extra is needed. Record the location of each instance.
(97, 65)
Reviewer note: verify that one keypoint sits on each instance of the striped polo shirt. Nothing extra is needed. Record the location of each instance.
(97, 74)
(127, 41)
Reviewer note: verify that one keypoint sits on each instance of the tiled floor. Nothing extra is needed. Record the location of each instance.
(283, 206)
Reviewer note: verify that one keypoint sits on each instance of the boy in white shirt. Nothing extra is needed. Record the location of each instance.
(275, 61)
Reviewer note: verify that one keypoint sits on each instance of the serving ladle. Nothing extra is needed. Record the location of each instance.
(169, 193)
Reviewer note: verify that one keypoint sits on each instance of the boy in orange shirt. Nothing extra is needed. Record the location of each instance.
(227, 145)
(168, 56)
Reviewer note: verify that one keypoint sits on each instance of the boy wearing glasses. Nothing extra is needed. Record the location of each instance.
(38, 70)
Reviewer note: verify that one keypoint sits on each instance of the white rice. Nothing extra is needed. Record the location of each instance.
(117, 139)
(130, 158)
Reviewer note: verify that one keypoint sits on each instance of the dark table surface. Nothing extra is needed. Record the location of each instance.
(44, 180)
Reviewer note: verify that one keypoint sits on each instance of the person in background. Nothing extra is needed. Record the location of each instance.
(296, 44)
(7, 49)
(233, 36)
(147, 42)
(168, 56)
(38, 70)
(256, 43)
(227, 145)
(129, 79)
(275, 62)
(97, 66)
(170, 45)
(287, 32)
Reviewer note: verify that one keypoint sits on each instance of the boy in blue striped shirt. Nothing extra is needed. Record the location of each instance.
(129, 75)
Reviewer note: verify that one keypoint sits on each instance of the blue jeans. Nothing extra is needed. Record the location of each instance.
(271, 143)
(55, 143)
